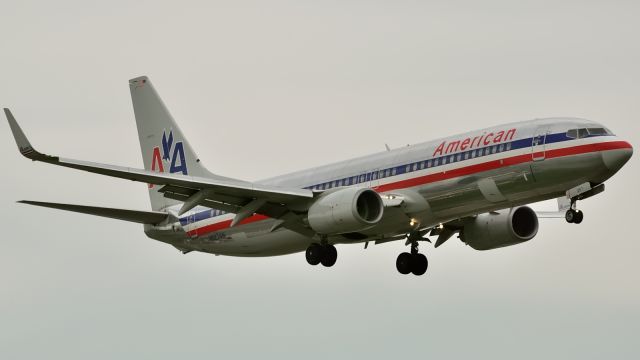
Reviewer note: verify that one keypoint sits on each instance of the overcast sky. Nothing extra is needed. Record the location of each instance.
(263, 88)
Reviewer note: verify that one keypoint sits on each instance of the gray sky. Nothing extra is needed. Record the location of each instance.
(262, 89)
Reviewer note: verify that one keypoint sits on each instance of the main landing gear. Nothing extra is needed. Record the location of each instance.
(413, 262)
(324, 254)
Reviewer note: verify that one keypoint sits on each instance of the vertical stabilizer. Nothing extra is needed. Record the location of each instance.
(164, 147)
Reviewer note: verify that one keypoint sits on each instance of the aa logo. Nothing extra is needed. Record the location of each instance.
(172, 156)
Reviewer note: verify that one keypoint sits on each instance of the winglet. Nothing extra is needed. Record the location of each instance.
(21, 139)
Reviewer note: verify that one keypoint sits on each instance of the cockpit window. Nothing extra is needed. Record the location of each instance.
(599, 131)
(583, 133)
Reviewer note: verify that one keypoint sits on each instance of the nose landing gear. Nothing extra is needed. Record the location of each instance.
(574, 216)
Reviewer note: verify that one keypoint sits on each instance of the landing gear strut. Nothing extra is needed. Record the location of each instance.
(325, 254)
(413, 262)
(572, 215)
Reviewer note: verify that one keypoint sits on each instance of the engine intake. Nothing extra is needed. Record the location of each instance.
(496, 230)
(345, 210)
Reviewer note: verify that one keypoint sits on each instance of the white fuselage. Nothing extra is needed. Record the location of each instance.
(450, 178)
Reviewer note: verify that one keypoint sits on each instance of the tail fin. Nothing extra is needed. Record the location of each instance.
(163, 145)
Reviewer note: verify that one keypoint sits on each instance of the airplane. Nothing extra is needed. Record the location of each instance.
(476, 185)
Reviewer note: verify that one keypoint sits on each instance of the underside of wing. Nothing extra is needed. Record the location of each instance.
(241, 197)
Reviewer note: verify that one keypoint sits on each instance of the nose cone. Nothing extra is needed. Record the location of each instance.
(615, 159)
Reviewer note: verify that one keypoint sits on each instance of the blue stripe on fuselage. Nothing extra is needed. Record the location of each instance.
(402, 169)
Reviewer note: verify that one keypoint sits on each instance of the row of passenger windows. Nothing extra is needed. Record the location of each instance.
(586, 132)
(416, 166)
(443, 160)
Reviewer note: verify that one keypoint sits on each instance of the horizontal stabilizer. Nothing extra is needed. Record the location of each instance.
(142, 217)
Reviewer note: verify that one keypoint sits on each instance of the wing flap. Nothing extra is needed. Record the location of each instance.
(141, 217)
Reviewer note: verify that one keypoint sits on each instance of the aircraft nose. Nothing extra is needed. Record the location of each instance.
(615, 159)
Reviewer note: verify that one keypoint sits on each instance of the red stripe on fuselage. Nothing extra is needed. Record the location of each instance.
(500, 163)
(224, 224)
(450, 174)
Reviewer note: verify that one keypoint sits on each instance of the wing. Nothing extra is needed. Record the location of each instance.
(240, 197)
(141, 217)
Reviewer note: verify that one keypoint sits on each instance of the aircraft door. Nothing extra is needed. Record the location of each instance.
(538, 144)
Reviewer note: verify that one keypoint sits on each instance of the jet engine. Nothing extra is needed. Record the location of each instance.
(499, 229)
(345, 210)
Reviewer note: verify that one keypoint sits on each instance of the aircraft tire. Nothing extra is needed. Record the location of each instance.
(419, 264)
(570, 216)
(578, 218)
(314, 254)
(403, 263)
(329, 256)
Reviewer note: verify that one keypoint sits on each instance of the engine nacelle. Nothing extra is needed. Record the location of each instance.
(345, 210)
(496, 230)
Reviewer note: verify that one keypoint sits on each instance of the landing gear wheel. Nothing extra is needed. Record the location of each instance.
(403, 263)
(570, 216)
(314, 254)
(419, 264)
(574, 216)
(578, 218)
(329, 255)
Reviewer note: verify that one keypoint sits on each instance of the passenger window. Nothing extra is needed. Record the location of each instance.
(408, 168)
(508, 146)
(393, 171)
(501, 148)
